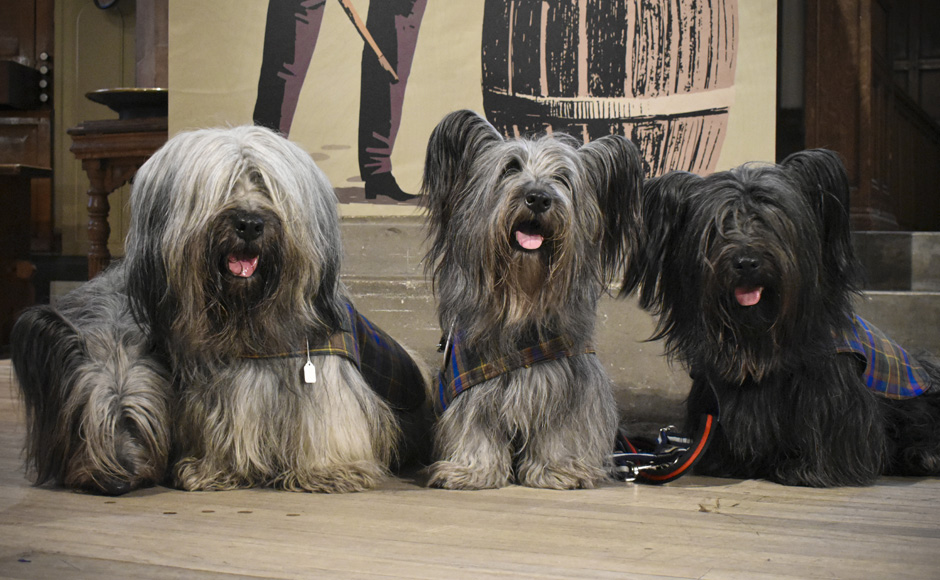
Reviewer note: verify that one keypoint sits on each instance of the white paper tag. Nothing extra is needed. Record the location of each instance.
(310, 371)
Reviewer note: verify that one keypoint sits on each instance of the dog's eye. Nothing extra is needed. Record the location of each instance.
(512, 166)
(564, 180)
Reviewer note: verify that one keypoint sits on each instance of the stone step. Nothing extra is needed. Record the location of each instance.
(911, 318)
(899, 260)
(394, 247)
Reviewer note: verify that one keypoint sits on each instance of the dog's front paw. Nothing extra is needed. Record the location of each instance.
(568, 474)
(340, 478)
(193, 474)
(451, 475)
(796, 473)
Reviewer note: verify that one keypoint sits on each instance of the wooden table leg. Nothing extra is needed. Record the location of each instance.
(104, 177)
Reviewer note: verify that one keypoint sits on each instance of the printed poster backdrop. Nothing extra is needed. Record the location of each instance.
(361, 84)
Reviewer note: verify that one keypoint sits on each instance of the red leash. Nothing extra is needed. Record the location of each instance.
(670, 457)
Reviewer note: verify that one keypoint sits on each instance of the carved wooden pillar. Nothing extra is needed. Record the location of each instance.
(152, 44)
(105, 176)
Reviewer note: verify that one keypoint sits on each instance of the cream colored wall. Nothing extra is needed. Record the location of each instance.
(215, 59)
(752, 125)
(94, 50)
(213, 77)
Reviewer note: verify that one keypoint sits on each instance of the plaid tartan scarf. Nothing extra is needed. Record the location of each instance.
(383, 363)
(464, 368)
(889, 369)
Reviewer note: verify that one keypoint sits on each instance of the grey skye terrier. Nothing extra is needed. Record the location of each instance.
(523, 236)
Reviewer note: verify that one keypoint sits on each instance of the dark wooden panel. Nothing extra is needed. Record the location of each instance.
(856, 106)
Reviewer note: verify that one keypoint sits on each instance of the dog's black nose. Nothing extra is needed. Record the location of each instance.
(248, 226)
(537, 201)
(746, 263)
(112, 486)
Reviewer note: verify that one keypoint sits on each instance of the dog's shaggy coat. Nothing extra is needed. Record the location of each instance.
(523, 234)
(753, 275)
(188, 354)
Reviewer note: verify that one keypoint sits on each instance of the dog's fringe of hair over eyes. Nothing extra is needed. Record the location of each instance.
(166, 248)
(748, 213)
(712, 216)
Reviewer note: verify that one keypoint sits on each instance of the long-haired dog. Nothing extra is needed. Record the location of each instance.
(753, 275)
(224, 344)
(522, 236)
(98, 398)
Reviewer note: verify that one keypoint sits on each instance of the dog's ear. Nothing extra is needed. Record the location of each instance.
(664, 202)
(452, 148)
(145, 271)
(821, 177)
(615, 170)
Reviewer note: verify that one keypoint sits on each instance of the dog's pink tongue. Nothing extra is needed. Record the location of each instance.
(529, 241)
(242, 267)
(748, 296)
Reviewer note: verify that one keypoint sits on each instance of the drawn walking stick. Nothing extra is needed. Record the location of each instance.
(367, 36)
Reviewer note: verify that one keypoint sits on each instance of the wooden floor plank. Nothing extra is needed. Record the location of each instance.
(694, 528)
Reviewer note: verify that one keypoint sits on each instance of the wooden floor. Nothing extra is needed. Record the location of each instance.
(693, 528)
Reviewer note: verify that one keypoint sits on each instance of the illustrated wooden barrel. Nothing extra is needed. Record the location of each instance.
(660, 72)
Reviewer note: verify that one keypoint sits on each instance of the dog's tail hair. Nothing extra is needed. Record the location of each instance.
(124, 392)
(97, 405)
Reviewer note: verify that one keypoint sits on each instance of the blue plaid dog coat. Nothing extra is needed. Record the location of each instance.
(463, 368)
(888, 369)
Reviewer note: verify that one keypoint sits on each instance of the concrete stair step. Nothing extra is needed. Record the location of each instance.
(900, 260)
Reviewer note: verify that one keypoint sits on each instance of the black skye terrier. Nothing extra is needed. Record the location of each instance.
(753, 276)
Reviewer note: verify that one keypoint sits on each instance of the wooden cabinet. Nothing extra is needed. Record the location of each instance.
(26, 57)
